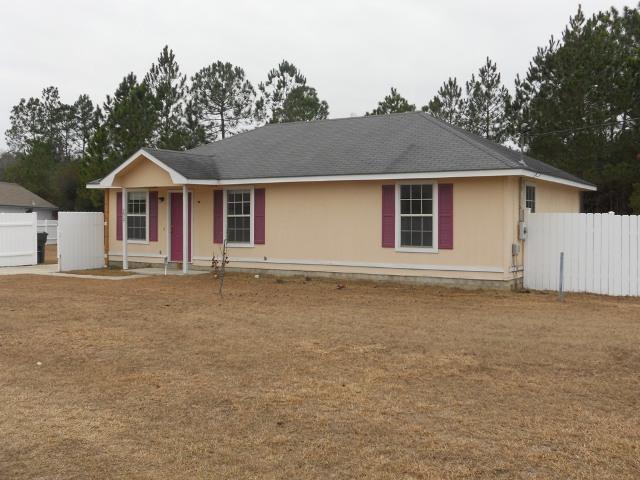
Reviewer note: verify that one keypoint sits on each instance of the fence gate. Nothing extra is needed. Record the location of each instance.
(80, 240)
(601, 252)
(18, 239)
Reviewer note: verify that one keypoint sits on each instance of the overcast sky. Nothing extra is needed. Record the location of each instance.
(350, 51)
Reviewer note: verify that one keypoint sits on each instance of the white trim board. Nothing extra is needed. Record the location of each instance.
(179, 179)
(332, 263)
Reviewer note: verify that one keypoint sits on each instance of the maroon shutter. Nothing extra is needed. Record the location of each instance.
(119, 216)
(153, 216)
(258, 216)
(388, 216)
(217, 216)
(445, 216)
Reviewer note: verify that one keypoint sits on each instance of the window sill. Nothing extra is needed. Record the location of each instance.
(139, 242)
(240, 245)
(416, 250)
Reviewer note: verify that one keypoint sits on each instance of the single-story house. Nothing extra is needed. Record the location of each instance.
(393, 195)
(15, 198)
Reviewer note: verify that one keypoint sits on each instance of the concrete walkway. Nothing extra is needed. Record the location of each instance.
(51, 270)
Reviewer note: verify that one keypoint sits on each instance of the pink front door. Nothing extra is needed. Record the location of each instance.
(176, 227)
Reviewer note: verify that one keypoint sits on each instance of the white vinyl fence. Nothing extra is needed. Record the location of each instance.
(51, 228)
(80, 240)
(601, 252)
(18, 239)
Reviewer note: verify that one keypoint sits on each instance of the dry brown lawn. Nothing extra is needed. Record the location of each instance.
(160, 378)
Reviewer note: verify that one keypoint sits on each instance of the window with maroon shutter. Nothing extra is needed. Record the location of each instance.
(258, 216)
(218, 220)
(119, 216)
(388, 216)
(153, 216)
(445, 216)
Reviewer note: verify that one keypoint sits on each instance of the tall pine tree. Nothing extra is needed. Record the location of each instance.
(274, 92)
(222, 99)
(393, 103)
(486, 103)
(168, 86)
(303, 104)
(578, 106)
(448, 103)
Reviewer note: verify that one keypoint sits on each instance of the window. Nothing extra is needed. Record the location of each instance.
(530, 198)
(416, 216)
(137, 216)
(239, 216)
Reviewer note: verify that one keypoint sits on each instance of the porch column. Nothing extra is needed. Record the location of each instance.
(125, 238)
(185, 230)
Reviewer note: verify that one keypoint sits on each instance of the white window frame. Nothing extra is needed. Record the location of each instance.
(434, 214)
(535, 194)
(146, 231)
(239, 188)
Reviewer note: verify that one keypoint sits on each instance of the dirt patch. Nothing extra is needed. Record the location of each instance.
(161, 378)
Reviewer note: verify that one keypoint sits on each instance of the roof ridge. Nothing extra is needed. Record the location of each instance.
(178, 151)
(464, 136)
(357, 117)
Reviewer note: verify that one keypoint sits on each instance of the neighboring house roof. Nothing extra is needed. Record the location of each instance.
(12, 194)
(397, 144)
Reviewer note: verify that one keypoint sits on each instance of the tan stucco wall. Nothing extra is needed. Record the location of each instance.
(554, 198)
(338, 224)
(142, 173)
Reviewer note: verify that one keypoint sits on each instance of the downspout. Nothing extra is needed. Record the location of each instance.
(518, 266)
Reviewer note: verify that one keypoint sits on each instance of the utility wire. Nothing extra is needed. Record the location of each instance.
(578, 129)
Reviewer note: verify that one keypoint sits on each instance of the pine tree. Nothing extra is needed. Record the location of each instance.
(86, 119)
(485, 105)
(578, 105)
(222, 99)
(303, 104)
(130, 117)
(168, 86)
(274, 92)
(393, 103)
(447, 104)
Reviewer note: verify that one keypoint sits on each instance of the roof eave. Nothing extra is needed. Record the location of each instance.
(397, 176)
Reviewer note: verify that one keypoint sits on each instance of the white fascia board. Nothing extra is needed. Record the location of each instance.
(552, 179)
(398, 176)
(107, 182)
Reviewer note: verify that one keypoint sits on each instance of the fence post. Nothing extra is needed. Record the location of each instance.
(561, 280)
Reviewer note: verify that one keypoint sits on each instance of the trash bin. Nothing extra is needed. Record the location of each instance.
(42, 240)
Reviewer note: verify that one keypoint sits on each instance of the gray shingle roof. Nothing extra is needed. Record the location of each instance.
(12, 194)
(384, 144)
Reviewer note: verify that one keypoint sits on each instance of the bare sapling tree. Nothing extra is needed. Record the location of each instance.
(218, 264)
